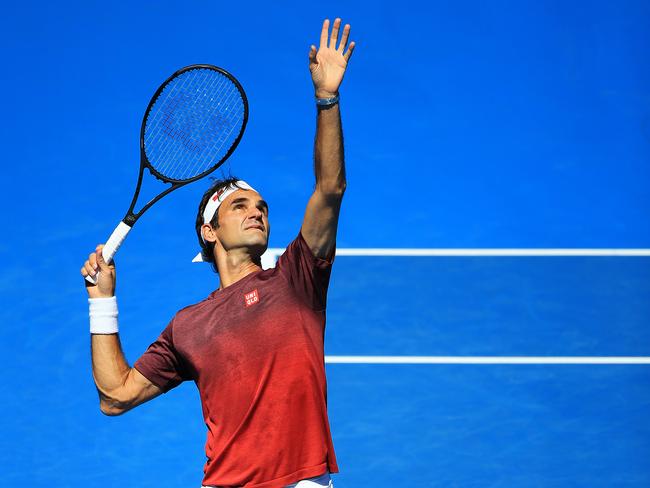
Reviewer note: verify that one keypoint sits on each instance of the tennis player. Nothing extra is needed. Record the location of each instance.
(254, 347)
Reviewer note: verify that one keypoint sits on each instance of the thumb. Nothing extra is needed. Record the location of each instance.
(101, 262)
(312, 55)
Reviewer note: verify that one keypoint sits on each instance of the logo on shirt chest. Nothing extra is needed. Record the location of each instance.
(251, 298)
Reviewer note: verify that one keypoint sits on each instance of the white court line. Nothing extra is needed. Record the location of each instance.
(487, 359)
(479, 252)
(483, 359)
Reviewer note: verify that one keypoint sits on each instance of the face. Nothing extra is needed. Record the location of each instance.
(243, 223)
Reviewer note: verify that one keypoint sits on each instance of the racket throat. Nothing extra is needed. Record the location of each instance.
(129, 219)
(147, 188)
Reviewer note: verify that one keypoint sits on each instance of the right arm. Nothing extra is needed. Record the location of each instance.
(120, 387)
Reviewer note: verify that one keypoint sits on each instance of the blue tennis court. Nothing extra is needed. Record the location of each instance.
(468, 126)
(493, 424)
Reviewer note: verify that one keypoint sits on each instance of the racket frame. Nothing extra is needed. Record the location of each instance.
(131, 217)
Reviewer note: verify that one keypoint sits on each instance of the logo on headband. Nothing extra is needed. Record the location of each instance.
(217, 195)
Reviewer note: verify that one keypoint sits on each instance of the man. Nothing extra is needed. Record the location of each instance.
(254, 347)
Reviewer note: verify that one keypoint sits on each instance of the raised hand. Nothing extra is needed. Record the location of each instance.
(328, 63)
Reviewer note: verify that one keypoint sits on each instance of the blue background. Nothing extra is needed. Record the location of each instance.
(477, 124)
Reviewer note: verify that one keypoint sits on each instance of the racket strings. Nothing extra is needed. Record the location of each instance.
(219, 125)
(170, 153)
(208, 119)
(193, 123)
(174, 155)
(160, 123)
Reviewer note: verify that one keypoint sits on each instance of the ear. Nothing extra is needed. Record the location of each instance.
(209, 234)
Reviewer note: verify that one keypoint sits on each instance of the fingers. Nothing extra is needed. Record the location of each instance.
(95, 263)
(344, 37)
(323, 33)
(103, 284)
(103, 265)
(335, 33)
(100, 257)
(90, 266)
(334, 37)
(348, 53)
(88, 270)
(92, 260)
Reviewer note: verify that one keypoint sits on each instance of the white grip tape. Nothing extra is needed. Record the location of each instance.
(112, 245)
(115, 241)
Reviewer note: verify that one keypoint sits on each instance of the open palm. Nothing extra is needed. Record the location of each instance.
(328, 63)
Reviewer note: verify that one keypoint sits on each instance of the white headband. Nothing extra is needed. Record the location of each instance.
(213, 205)
(219, 196)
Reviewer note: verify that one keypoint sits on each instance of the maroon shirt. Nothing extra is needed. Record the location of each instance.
(255, 351)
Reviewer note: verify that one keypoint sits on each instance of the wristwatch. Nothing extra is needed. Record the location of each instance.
(326, 102)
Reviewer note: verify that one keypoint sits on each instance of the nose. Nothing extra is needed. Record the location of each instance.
(256, 214)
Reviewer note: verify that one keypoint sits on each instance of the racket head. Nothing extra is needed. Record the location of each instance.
(193, 123)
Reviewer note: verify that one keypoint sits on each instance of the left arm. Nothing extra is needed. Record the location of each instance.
(327, 66)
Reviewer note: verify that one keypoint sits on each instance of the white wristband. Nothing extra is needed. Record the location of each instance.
(103, 315)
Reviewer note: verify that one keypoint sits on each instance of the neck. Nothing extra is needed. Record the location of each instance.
(234, 265)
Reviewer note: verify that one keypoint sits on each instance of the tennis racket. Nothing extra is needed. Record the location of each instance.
(193, 123)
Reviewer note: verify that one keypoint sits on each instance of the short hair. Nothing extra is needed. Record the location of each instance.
(207, 248)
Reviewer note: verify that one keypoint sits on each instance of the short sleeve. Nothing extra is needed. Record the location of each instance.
(308, 274)
(161, 363)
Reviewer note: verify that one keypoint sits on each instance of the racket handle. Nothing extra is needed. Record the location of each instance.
(112, 245)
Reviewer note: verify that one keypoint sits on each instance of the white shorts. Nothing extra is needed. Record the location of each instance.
(322, 481)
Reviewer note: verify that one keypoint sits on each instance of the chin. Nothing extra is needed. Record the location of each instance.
(257, 247)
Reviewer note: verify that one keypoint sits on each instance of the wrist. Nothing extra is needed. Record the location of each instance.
(93, 294)
(326, 94)
(103, 315)
(327, 102)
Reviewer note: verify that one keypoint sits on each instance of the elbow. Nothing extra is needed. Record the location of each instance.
(111, 410)
(112, 407)
(335, 190)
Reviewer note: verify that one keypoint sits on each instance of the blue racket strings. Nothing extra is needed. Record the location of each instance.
(193, 124)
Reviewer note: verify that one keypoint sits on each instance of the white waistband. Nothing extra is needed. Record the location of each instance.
(322, 481)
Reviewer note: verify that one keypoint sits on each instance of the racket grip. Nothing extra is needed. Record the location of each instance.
(112, 245)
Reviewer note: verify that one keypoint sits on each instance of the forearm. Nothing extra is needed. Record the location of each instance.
(329, 162)
(109, 365)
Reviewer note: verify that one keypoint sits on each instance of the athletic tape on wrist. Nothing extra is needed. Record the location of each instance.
(103, 315)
